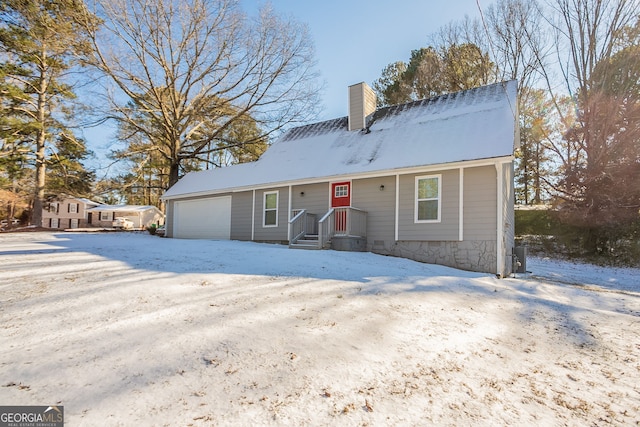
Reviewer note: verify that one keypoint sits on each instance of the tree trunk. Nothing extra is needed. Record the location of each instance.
(38, 200)
(41, 138)
(174, 168)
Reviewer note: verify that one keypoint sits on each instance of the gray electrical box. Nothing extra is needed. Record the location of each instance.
(521, 258)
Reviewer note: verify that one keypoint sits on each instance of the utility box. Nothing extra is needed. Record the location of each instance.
(520, 260)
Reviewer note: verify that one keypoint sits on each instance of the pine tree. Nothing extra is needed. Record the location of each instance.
(66, 173)
(431, 72)
(40, 41)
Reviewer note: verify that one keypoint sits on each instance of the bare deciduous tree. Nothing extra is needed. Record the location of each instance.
(517, 44)
(195, 68)
(601, 74)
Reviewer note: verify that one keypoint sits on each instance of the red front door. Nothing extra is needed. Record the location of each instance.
(340, 197)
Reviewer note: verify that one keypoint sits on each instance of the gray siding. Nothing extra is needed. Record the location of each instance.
(480, 203)
(315, 199)
(447, 228)
(241, 208)
(438, 243)
(169, 212)
(272, 234)
(380, 207)
(428, 242)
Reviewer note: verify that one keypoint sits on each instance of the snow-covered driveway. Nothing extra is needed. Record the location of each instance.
(131, 329)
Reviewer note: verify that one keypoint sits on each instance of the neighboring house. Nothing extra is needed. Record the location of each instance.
(68, 212)
(430, 180)
(141, 216)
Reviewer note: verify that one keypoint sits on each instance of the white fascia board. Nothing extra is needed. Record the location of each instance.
(346, 177)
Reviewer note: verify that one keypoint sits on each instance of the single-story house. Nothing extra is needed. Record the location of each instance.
(68, 212)
(141, 216)
(430, 180)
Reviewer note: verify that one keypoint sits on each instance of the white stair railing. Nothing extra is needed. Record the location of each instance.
(298, 226)
(346, 221)
(326, 229)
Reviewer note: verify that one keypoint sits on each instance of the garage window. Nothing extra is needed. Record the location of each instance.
(270, 216)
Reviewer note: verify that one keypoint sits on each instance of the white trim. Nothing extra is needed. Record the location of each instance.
(348, 177)
(416, 200)
(253, 216)
(500, 221)
(264, 208)
(461, 207)
(289, 211)
(397, 218)
(343, 188)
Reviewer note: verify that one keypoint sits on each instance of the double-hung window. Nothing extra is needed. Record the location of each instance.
(428, 198)
(270, 216)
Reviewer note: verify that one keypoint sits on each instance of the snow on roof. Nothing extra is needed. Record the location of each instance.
(470, 125)
(88, 202)
(82, 200)
(121, 208)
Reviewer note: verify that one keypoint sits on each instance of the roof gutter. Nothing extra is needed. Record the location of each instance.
(381, 173)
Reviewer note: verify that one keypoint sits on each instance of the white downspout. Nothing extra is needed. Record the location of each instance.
(289, 216)
(397, 213)
(461, 207)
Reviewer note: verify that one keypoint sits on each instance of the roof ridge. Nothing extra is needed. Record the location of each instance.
(340, 123)
(442, 97)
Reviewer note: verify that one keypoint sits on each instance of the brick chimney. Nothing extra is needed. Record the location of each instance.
(362, 102)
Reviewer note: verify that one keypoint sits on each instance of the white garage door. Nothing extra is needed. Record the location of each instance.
(203, 219)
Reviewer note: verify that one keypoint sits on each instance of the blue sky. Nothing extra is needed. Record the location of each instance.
(356, 39)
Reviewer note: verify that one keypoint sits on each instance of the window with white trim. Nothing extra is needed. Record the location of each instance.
(53, 207)
(105, 216)
(270, 215)
(428, 198)
(73, 208)
(341, 191)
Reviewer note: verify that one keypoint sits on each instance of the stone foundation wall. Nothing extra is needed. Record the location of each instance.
(477, 255)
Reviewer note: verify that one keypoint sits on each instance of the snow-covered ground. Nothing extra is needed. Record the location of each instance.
(132, 329)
